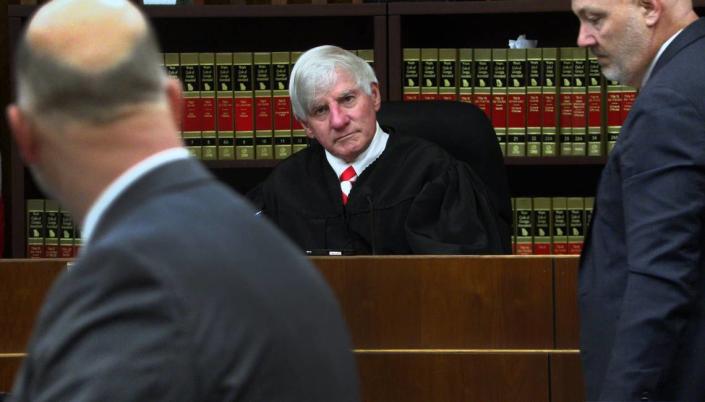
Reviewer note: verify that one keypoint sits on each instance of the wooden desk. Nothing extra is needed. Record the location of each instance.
(424, 328)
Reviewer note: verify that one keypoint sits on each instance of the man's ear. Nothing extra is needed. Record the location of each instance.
(651, 11)
(376, 96)
(307, 128)
(175, 100)
(24, 133)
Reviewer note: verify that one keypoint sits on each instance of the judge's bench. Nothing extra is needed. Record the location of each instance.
(424, 328)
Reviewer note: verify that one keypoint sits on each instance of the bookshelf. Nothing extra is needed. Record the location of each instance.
(385, 27)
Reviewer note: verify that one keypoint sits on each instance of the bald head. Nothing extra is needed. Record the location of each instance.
(88, 61)
(89, 35)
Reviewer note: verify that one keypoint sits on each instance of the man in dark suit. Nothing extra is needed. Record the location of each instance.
(642, 273)
(180, 293)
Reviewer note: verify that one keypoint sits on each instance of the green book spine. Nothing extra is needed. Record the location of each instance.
(499, 96)
(559, 220)
(36, 227)
(595, 146)
(482, 87)
(411, 90)
(576, 224)
(542, 225)
(51, 233)
(580, 88)
(566, 101)
(524, 226)
(448, 68)
(429, 74)
(465, 71)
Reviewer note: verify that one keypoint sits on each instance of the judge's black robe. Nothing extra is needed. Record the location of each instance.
(414, 199)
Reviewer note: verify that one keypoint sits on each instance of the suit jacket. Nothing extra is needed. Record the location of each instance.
(642, 274)
(184, 295)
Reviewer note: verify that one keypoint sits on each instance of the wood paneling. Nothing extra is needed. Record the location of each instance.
(566, 289)
(8, 368)
(23, 284)
(444, 302)
(566, 378)
(453, 377)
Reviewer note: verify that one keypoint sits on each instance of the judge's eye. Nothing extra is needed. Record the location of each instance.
(348, 99)
(594, 19)
(319, 111)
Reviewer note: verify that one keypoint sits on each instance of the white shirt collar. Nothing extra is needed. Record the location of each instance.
(365, 159)
(110, 193)
(658, 55)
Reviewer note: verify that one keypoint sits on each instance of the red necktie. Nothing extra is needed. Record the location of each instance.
(347, 178)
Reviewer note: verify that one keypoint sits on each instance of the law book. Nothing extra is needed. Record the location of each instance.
(579, 106)
(77, 239)
(559, 221)
(576, 224)
(298, 134)
(524, 226)
(172, 65)
(542, 225)
(264, 121)
(429, 74)
(594, 114)
(191, 121)
(482, 87)
(411, 90)
(499, 96)
(36, 227)
(66, 234)
(565, 97)
(465, 75)
(533, 102)
(51, 232)
(516, 102)
(628, 99)
(209, 150)
(244, 106)
(448, 71)
(282, 105)
(225, 107)
(549, 101)
(614, 112)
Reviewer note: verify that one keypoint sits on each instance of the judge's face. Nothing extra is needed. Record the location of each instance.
(615, 32)
(344, 119)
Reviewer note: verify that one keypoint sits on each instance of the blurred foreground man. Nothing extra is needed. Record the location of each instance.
(180, 293)
(642, 275)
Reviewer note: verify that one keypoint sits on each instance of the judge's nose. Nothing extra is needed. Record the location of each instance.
(338, 117)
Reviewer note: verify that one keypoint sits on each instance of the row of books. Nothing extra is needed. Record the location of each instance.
(550, 225)
(51, 233)
(237, 104)
(541, 101)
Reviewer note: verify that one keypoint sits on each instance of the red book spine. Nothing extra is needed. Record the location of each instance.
(244, 111)
(226, 122)
(517, 111)
(263, 113)
(484, 102)
(548, 118)
(628, 98)
(533, 113)
(594, 109)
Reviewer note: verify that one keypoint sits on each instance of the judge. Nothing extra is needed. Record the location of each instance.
(359, 189)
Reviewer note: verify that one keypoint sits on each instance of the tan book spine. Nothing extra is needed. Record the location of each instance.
(516, 102)
(225, 106)
(595, 134)
(566, 101)
(533, 102)
(499, 96)
(299, 138)
(482, 88)
(580, 88)
(282, 105)
(243, 72)
(51, 219)
(36, 227)
(209, 149)
(559, 228)
(191, 121)
(549, 102)
(576, 224)
(264, 122)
